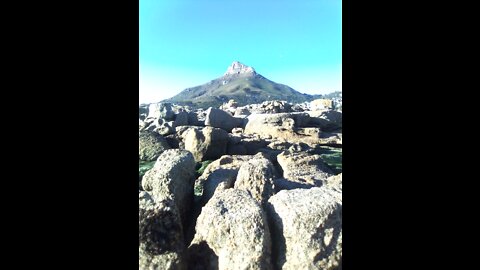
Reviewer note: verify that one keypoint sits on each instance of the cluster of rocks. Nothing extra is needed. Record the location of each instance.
(268, 200)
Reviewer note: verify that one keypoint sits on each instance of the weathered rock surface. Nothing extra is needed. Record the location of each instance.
(181, 119)
(221, 174)
(334, 182)
(235, 228)
(256, 176)
(208, 144)
(221, 119)
(151, 145)
(332, 116)
(306, 228)
(304, 168)
(172, 176)
(161, 243)
(160, 110)
(279, 125)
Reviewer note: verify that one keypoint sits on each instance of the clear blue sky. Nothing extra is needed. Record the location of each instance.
(185, 43)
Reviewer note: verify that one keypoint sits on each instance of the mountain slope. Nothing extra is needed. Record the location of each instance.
(242, 84)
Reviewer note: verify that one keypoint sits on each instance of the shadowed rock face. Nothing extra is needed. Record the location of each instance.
(151, 145)
(160, 234)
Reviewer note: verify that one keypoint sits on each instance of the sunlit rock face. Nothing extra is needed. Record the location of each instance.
(239, 68)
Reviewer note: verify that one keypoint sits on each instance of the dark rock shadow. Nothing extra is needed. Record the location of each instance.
(333, 222)
(285, 184)
(202, 257)
(279, 248)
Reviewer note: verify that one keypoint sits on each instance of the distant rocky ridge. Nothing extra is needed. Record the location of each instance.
(241, 83)
(265, 198)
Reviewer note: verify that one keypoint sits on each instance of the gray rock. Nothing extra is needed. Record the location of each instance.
(332, 116)
(181, 119)
(166, 128)
(306, 228)
(220, 174)
(235, 228)
(174, 141)
(242, 111)
(161, 110)
(280, 125)
(208, 144)
(334, 182)
(236, 149)
(304, 168)
(256, 176)
(151, 145)
(172, 176)
(161, 240)
(221, 119)
(193, 120)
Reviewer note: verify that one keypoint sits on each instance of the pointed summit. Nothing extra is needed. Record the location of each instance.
(239, 68)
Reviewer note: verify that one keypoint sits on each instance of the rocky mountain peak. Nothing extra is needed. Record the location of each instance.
(239, 68)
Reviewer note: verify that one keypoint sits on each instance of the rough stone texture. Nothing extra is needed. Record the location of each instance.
(161, 241)
(242, 111)
(173, 175)
(268, 107)
(235, 228)
(332, 116)
(220, 174)
(256, 176)
(306, 227)
(230, 106)
(239, 144)
(173, 140)
(291, 127)
(285, 184)
(166, 128)
(221, 119)
(151, 145)
(334, 182)
(208, 144)
(239, 68)
(181, 119)
(160, 110)
(304, 168)
(321, 104)
(141, 124)
(193, 120)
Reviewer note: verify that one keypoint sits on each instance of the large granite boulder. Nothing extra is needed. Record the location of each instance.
(172, 176)
(282, 126)
(222, 119)
(256, 176)
(220, 174)
(181, 119)
(161, 110)
(208, 144)
(151, 145)
(235, 228)
(306, 227)
(161, 240)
